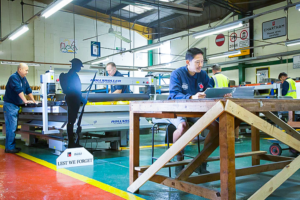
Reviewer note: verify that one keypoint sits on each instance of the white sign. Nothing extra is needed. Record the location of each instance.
(74, 157)
(296, 62)
(239, 38)
(274, 28)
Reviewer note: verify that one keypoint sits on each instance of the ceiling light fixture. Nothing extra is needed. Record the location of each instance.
(147, 47)
(18, 32)
(292, 43)
(54, 7)
(218, 29)
(230, 53)
(298, 7)
(101, 60)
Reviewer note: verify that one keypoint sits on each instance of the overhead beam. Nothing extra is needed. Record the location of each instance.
(145, 14)
(142, 30)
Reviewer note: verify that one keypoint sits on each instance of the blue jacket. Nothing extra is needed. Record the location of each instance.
(183, 85)
(285, 88)
(15, 85)
(124, 88)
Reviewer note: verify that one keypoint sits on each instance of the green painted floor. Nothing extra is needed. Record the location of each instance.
(112, 167)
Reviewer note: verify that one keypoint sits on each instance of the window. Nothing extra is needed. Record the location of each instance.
(137, 9)
(165, 51)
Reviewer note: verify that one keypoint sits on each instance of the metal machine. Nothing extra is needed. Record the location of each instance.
(101, 122)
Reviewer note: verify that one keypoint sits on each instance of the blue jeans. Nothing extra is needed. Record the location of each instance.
(11, 112)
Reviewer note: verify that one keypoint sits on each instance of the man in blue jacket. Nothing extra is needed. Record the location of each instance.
(16, 88)
(112, 71)
(190, 82)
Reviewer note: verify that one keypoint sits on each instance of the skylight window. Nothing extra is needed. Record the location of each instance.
(137, 9)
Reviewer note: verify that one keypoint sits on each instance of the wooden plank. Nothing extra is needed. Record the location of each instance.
(190, 114)
(255, 143)
(203, 105)
(288, 129)
(198, 127)
(274, 158)
(239, 172)
(277, 180)
(210, 159)
(157, 115)
(261, 124)
(291, 116)
(294, 124)
(227, 161)
(199, 159)
(187, 187)
(134, 151)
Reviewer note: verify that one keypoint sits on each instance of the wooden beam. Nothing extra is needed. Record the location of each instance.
(277, 180)
(261, 124)
(288, 129)
(294, 124)
(274, 158)
(187, 187)
(157, 115)
(239, 172)
(198, 127)
(199, 159)
(255, 143)
(210, 159)
(227, 161)
(134, 150)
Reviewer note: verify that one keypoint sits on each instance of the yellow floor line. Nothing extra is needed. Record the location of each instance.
(82, 178)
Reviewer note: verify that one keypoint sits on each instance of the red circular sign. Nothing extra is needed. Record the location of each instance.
(244, 34)
(233, 37)
(220, 40)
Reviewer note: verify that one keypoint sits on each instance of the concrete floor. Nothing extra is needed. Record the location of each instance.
(112, 168)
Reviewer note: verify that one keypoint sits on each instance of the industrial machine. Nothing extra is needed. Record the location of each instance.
(105, 119)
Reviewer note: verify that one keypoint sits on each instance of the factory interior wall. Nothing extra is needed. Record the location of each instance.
(42, 42)
(180, 45)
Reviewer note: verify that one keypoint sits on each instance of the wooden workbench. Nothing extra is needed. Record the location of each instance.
(209, 110)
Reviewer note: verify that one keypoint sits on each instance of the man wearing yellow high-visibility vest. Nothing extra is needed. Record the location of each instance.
(218, 80)
(288, 85)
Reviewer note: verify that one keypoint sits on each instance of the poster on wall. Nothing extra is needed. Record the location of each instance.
(261, 74)
(239, 39)
(95, 49)
(296, 62)
(274, 28)
(68, 45)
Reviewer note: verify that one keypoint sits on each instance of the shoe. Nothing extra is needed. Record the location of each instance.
(178, 169)
(202, 169)
(12, 151)
(237, 140)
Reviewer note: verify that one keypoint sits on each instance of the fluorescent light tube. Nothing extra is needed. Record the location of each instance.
(292, 43)
(54, 7)
(17, 63)
(100, 61)
(219, 29)
(147, 47)
(18, 32)
(230, 53)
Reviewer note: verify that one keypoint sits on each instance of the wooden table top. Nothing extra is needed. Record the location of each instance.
(203, 105)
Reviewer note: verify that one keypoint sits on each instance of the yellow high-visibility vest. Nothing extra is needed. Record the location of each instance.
(292, 88)
(220, 80)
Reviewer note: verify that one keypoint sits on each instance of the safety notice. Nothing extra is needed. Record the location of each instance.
(239, 38)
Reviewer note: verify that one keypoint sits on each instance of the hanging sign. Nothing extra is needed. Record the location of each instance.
(296, 62)
(239, 39)
(95, 49)
(274, 28)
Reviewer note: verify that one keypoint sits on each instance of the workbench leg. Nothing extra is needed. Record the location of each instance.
(291, 116)
(134, 146)
(227, 157)
(255, 141)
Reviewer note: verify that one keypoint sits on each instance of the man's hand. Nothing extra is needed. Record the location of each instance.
(228, 95)
(199, 95)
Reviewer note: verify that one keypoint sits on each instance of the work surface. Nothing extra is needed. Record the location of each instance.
(203, 105)
(228, 111)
